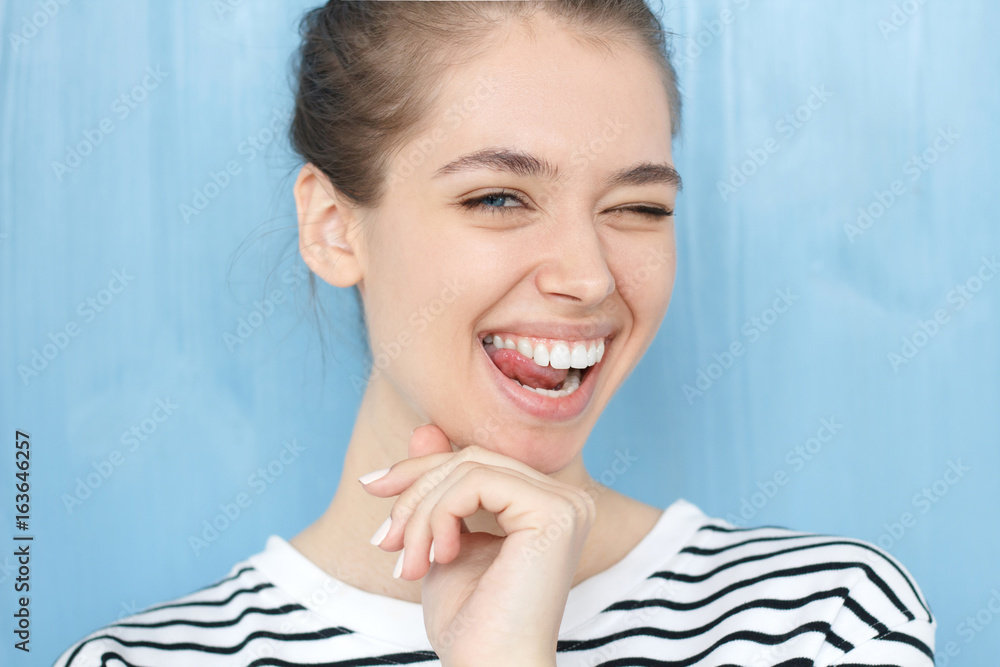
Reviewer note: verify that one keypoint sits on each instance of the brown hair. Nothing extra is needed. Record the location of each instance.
(366, 73)
(366, 68)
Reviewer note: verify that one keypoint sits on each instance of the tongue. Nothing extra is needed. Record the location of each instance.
(524, 370)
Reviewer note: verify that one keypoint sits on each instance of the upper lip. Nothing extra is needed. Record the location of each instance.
(559, 330)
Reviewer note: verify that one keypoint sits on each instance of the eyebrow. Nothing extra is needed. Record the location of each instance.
(525, 164)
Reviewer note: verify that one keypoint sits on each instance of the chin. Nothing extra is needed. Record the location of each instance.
(544, 448)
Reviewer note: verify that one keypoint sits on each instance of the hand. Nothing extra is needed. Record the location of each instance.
(487, 599)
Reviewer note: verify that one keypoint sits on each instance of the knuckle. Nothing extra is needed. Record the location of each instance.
(569, 507)
(438, 517)
(590, 502)
(469, 468)
(405, 505)
(582, 506)
(435, 476)
(471, 452)
(428, 481)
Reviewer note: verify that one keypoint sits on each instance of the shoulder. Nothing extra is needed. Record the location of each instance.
(865, 602)
(208, 617)
(777, 553)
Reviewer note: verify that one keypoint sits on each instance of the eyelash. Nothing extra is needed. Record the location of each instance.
(477, 204)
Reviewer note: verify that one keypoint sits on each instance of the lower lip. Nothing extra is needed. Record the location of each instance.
(552, 408)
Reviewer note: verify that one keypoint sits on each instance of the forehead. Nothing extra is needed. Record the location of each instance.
(555, 95)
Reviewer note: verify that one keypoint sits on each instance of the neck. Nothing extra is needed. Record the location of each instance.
(338, 542)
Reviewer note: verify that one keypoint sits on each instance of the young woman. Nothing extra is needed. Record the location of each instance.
(496, 181)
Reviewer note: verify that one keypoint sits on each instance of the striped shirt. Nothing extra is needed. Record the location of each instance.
(694, 591)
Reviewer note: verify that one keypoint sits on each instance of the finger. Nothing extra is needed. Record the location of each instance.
(429, 486)
(429, 444)
(429, 439)
(410, 514)
(414, 532)
(519, 502)
(404, 474)
(411, 480)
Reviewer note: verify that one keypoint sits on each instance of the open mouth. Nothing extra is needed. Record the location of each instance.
(547, 367)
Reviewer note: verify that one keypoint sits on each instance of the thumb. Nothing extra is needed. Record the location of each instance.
(430, 439)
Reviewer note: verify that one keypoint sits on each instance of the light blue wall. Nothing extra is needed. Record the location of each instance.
(222, 76)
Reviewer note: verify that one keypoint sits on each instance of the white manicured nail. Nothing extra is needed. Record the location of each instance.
(372, 476)
(382, 531)
(398, 570)
(431, 556)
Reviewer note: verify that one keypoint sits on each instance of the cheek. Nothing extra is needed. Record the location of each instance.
(421, 306)
(644, 276)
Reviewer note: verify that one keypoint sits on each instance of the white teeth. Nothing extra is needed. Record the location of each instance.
(559, 357)
(569, 385)
(541, 355)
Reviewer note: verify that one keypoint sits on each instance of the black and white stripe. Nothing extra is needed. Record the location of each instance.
(726, 596)
(767, 596)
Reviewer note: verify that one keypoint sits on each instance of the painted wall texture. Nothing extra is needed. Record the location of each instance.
(829, 361)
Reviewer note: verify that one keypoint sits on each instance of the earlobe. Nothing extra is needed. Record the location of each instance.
(324, 223)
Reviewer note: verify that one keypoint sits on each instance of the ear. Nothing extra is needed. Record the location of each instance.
(325, 221)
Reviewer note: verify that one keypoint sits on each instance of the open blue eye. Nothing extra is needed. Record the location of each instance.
(481, 203)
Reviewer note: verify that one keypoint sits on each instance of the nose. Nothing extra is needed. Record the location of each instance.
(576, 269)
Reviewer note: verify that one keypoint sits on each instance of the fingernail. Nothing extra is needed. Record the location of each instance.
(382, 531)
(372, 476)
(398, 570)
(416, 427)
(431, 557)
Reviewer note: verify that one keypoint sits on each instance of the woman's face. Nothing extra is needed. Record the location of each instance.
(567, 149)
